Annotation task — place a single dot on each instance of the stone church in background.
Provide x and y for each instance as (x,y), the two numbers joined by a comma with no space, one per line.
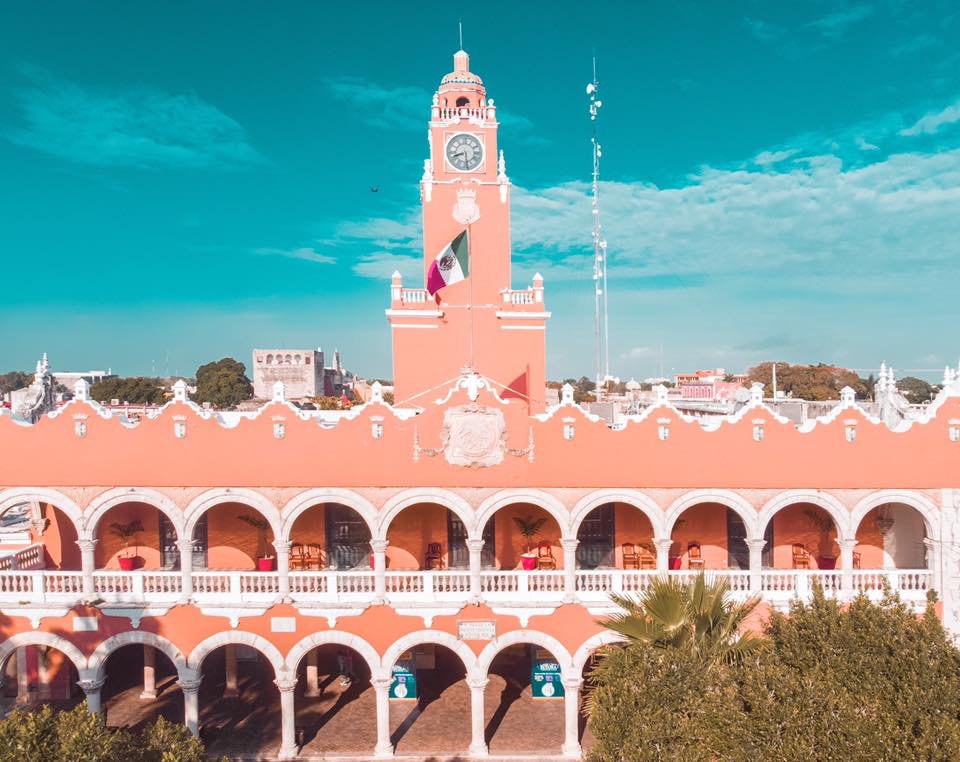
(302,371)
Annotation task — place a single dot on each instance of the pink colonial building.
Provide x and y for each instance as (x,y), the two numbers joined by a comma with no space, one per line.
(450,555)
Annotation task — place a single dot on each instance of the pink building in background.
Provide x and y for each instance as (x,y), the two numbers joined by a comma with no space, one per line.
(273,543)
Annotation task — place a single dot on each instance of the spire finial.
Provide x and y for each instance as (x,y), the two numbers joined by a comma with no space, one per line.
(460,24)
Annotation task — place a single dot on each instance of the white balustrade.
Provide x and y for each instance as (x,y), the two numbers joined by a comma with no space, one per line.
(522,586)
(414,295)
(331,586)
(30,557)
(525,296)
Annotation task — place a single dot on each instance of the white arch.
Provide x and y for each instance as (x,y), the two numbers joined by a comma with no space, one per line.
(306,500)
(240,637)
(16,495)
(591,644)
(434,637)
(119,495)
(409,497)
(98,659)
(40,638)
(723,496)
(537,497)
(248,497)
(836,509)
(921,503)
(634,498)
(337,637)
(516,637)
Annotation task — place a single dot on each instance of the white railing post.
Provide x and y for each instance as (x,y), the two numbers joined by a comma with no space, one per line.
(801,586)
(283,568)
(428,586)
(136,591)
(846,566)
(333,583)
(569,545)
(379,548)
(36,583)
(756,564)
(476,562)
(236,591)
(523,585)
(186,568)
(87,565)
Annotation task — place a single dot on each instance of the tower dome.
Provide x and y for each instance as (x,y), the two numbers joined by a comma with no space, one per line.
(461,87)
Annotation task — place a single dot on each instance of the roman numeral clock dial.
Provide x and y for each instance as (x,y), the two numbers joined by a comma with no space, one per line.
(464,152)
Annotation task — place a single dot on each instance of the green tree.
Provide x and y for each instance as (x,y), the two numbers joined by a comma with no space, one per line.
(916,389)
(137,390)
(15,379)
(223,384)
(808,382)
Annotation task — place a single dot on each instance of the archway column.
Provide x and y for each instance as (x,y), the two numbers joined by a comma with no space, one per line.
(476,562)
(933,562)
(663,545)
(91,689)
(571,716)
(381,686)
(283,567)
(288,717)
(756,564)
(569,545)
(379,548)
(313,674)
(190,687)
(478,742)
(186,567)
(149,673)
(846,563)
(87,565)
(230,671)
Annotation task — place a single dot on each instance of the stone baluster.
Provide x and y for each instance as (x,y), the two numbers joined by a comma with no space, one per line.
(87,565)
(381,686)
(756,565)
(476,561)
(379,570)
(189,683)
(478,741)
(288,717)
(571,716)
(569,545)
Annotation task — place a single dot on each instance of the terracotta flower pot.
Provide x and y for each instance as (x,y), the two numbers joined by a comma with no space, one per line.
(265,564)
(127,562)
(529,563)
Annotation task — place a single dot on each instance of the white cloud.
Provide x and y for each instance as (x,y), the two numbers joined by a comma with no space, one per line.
(636,352)
(306,253)
(380,265)
(834,25)
(933,121)
(767,158)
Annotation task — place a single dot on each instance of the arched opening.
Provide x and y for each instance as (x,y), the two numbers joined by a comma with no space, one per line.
(141,685)
(38,536)
(330,536)
(336,706)
(709,536)
(801,536)
(616,536)
(134,536)
(463,101)
(239,703)
(891,536)
(38,674)
(427,536)
(524,694)
(233,536)
(523,536)
(429,702)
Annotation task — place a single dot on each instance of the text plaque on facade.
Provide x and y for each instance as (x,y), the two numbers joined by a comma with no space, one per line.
(477,629)
(283,624)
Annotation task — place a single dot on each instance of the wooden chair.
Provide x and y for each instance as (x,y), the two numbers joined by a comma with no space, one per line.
(314,556)
(434,557)
(298,559)
(694,556)
(647,556)
(801,559)
(630,558)
(545,559)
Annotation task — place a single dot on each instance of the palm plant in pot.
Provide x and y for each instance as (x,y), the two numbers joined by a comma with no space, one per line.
(529,528)
(125,532)
(264,561)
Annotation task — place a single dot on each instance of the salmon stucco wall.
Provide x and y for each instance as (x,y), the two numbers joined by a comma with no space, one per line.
(145,548)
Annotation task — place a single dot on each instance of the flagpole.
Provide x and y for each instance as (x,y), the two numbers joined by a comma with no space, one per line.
(470,295)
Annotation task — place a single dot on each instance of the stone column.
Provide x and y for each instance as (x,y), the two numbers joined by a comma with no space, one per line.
(933,564)
(230,670)
(149,673)
(846,565)
(478,742)
(87,565)
(379,548)
(571,716)
(756,565)
(190,687)
(186,568)
(313,674)
(476,560)
(91,688)
(283,567)
(663,545)
(23,676)
(288,717)
(43,673)
(382,687)
(569,546)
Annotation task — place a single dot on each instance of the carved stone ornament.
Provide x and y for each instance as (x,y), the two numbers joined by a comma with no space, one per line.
(466,211)
(474,436)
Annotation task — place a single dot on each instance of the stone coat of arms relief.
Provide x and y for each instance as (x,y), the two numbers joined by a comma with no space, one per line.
(474,435)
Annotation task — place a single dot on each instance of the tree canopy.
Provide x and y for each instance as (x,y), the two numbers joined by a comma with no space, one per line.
(137,390)
(224,383)
(916,389)
(15,379)
(808,382)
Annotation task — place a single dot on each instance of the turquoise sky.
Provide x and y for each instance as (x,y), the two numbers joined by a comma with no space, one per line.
(184,181)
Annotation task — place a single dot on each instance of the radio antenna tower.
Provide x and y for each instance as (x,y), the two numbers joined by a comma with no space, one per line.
(601,328)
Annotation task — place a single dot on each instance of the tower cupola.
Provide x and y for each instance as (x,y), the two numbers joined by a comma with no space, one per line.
(461,87)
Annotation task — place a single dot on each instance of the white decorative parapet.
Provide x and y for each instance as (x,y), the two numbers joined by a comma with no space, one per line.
(414,295)
(525,296)
(30,557)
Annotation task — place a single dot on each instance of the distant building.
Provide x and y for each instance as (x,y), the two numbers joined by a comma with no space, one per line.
(69,378)
(302,372)
(708,384)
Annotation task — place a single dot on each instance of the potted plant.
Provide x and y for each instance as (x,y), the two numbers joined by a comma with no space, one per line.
(529,527)
(126,532)
(265,562)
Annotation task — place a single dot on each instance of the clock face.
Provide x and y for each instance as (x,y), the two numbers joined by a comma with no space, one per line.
(464,152)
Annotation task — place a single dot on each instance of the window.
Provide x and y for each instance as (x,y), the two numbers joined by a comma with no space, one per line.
(596,536)
(459,553)
(348,538)
(170,551)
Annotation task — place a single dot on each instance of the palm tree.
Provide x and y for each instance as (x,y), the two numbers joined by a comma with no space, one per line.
(698,616)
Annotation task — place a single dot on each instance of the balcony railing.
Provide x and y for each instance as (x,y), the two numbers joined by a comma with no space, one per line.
(497,587)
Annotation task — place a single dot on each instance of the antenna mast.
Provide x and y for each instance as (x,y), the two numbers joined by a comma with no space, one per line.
(601,329)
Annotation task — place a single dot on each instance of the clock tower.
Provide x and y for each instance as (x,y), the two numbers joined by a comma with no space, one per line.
(479,323)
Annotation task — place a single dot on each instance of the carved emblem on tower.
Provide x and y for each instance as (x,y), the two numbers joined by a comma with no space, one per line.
(466,211)
(474,436)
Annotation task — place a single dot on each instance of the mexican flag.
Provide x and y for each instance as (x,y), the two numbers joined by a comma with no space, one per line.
(451,265)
